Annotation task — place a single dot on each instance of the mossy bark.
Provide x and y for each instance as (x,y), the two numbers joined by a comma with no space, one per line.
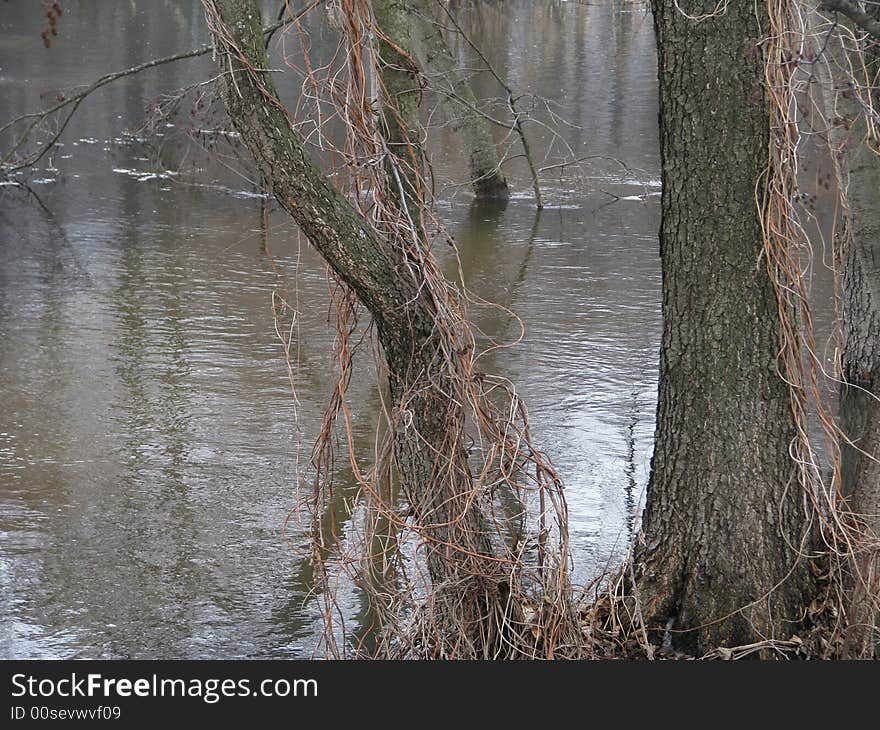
(717,561)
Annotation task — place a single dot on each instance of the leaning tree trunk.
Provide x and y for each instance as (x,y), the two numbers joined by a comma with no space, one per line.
(717,563)
(445,77)
(393,279)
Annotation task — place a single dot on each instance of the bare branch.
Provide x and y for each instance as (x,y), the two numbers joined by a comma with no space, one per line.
(73,101)
(852,11)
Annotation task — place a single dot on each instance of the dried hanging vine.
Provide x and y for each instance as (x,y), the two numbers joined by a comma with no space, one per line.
(419,576)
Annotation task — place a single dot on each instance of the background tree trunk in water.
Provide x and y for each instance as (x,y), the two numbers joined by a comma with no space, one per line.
(489,182)
(723,520)
(471,586)
(860,399)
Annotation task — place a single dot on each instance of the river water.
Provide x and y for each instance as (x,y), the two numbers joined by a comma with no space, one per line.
(150,444)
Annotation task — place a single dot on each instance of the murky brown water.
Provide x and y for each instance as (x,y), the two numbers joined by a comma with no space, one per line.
(149,442)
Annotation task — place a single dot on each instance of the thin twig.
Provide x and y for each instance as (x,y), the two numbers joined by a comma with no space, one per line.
(76,99)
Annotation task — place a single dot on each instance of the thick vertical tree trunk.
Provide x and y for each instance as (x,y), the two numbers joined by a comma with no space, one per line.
(717,562)
(860,399)
(860,395)
(389,277)
(441,68)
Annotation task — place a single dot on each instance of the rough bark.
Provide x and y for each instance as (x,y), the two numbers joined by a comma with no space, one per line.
(460,102)
(717,561)
(390,281)
(860,395)
(860,399)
